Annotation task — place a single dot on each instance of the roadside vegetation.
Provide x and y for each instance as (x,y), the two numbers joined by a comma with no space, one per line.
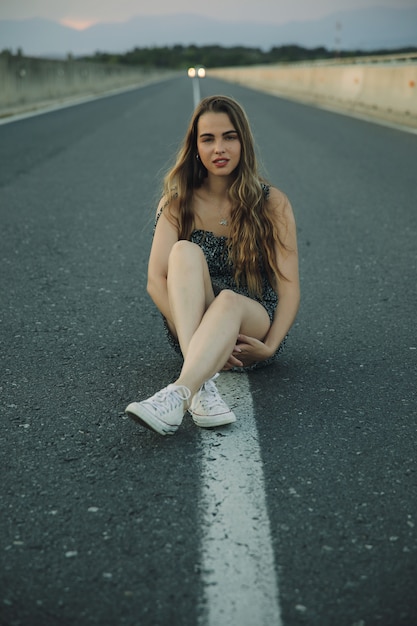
(179,57)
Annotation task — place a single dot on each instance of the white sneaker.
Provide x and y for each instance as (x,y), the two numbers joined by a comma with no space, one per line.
(162,412)
(207,407)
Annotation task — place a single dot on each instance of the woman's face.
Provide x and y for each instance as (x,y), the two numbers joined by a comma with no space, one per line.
(218,144)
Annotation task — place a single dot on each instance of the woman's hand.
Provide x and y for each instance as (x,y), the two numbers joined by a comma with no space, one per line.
(247,351)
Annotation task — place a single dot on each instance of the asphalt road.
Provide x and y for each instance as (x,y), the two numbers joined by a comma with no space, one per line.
(100,521)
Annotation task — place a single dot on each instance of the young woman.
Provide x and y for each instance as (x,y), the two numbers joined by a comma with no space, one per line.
(223,268)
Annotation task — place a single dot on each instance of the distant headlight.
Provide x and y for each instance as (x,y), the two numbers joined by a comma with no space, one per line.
(201,72)
(191,72)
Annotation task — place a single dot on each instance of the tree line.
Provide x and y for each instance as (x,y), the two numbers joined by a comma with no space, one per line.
(180,57)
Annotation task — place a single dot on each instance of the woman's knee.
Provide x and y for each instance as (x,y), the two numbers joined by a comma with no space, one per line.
(185,251)
(253,316)
(228,299)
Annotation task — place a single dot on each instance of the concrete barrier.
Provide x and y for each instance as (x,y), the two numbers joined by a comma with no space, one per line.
(27,83)
(385,90)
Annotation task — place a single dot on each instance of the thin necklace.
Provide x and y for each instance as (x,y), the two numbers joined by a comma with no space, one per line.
(223,220)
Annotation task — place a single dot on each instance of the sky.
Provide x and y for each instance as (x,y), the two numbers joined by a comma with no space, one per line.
(83,13)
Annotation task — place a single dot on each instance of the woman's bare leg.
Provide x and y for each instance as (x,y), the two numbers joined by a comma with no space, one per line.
(207,326)
(214,339)
(189,290)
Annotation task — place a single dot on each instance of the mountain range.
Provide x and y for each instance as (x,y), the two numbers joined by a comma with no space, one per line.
(360,29)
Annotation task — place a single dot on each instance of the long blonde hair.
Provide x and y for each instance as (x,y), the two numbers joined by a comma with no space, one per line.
(253,231)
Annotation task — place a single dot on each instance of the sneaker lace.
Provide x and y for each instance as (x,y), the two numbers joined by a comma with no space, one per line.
(208,395)
(167,399)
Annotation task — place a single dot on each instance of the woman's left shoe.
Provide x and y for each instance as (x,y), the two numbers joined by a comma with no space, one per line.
(208,409)
(163,412)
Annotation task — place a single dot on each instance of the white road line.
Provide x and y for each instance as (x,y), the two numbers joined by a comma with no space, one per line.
(56,105)
(196,91)
(238,569)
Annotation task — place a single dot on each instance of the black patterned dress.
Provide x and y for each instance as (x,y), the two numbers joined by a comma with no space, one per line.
(221,272)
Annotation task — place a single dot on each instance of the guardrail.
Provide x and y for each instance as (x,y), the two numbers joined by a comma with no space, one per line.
(372,58)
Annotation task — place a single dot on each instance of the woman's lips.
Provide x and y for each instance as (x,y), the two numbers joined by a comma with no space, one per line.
(220,162)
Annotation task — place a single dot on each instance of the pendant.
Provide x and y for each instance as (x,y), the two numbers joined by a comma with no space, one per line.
(223,222)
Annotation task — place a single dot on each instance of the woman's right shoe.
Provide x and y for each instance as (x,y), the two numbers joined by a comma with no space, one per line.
(208,409)
(163,412)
